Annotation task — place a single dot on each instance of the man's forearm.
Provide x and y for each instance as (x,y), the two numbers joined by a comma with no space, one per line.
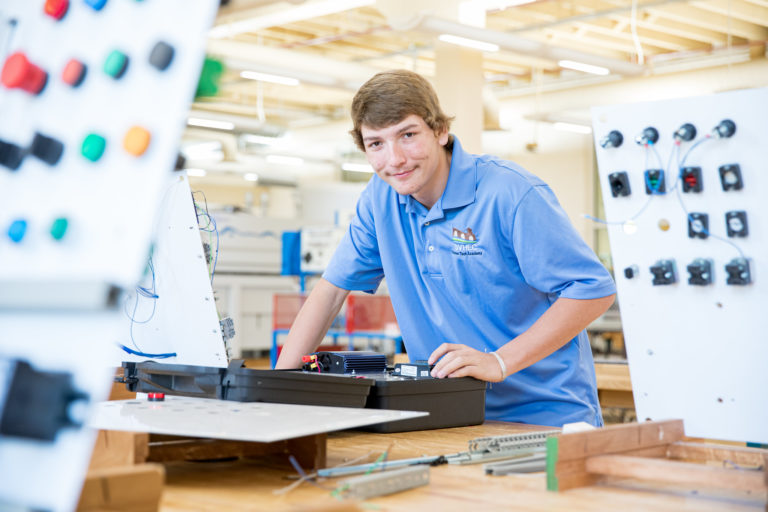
(558,325)
(312,323)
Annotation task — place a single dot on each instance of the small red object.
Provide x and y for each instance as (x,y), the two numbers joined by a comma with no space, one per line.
(73,73)
(56,8)
(19,73)
(155,397)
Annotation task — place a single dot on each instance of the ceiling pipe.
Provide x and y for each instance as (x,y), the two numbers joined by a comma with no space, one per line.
(516,44)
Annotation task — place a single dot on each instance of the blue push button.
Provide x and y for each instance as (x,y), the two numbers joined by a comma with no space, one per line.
(96,4)
(17,230)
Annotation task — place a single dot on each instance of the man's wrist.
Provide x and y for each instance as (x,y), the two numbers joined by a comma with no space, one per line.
(502,365)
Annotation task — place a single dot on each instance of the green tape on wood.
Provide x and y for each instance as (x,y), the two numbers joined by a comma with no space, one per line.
(552,447)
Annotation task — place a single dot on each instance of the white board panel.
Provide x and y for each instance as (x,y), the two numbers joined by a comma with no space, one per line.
(695,351)
(242,421)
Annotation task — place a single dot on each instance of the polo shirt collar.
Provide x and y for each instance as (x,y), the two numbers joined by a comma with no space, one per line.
(459,190)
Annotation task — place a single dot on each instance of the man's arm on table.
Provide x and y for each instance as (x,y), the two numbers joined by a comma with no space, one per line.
(312,323)
(556,327)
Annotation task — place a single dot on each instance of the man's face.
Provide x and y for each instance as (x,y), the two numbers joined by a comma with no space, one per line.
(410,157)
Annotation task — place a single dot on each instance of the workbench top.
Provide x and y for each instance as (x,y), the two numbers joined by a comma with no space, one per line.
(246,485)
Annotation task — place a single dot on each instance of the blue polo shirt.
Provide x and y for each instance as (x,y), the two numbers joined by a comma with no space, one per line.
(479,268)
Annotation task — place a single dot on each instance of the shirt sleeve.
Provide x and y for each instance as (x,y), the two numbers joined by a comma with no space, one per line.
(356,264)
(553,257)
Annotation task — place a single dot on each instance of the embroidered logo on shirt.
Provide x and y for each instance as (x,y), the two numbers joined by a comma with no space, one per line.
(465,242)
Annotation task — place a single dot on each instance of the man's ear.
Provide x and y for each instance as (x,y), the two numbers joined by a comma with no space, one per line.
(442,138)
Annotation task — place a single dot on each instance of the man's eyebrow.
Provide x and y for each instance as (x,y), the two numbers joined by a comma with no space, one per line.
(404,129)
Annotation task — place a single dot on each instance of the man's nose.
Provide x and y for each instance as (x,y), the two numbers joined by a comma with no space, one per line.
(396,155)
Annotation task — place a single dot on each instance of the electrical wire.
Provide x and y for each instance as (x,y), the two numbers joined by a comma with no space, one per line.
(209,227)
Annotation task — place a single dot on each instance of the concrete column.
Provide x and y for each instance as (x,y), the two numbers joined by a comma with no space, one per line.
(459,85)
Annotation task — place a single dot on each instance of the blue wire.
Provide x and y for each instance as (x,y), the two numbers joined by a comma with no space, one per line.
(145,354)
(149,293)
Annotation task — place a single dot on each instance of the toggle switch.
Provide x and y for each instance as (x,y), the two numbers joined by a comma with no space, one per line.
(691,177)
(654,181)
(619,183)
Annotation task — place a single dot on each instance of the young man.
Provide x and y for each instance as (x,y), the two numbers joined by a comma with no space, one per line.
(486,274)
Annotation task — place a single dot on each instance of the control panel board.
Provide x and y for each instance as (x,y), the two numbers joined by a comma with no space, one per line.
(94,96)
(685,187)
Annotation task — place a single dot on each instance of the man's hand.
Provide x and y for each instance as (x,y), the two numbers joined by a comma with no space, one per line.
(463,361)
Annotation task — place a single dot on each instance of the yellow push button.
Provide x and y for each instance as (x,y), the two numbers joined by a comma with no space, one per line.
(136,141)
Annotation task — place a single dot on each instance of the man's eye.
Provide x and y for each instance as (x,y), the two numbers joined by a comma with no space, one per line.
(374,144)
(408,134)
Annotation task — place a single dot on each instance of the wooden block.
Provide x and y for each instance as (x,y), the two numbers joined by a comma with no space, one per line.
(567,453)
(116,448)
(676,472)
(614,398)
(712,452)
(130,489)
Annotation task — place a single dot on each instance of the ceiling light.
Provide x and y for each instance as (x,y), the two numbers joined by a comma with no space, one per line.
(571,127)
(266,77)
(210,123)
(259,139)
(207,150)
(586,68)
(192,171)
(284,160)
(469,43)
(249,176)
(350,166)
(284,16)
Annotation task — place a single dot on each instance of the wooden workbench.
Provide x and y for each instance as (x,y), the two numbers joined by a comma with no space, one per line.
(248,485)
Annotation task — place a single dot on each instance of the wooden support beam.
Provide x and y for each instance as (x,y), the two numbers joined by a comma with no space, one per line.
(676,472)
(129,489)
(708,452)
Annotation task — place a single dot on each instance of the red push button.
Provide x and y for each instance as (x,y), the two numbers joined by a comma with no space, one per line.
(74,73)
(155,397)
(19,73)
(56,8)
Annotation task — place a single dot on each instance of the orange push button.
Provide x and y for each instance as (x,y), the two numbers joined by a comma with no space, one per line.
(56,8)
(136,141)
(19,73)
(74,73)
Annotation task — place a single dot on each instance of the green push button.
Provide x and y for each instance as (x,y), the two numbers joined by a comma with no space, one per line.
(116,64)
(59,228)
(93,147)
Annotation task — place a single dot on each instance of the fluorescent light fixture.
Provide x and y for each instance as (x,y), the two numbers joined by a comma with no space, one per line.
(284,160)
(210,123)
(259,139)
(207,150)
(586,68)
(249,176)
(283,16)
(571,127)
(469,43)
(266,77)
(350,166)
(192,171)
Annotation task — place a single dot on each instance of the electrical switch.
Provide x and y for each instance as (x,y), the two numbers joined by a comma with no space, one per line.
(730,177)
(698,225)
(47,149)
(691,177)
(738,272)
(648,136)
(11,155)
(654,181)
(614,139)
(17,230)
(700,272)
(74,73)
(136,140)
(116,64)
(631,271)
(619,182)
(736,223)
(59,228)
(19,73)
(93,147)
(663,272)
(56,9)
(724,130)
(686,132)
(161,55)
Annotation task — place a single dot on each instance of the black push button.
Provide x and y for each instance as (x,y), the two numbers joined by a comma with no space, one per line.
(47,149)
(11,155)
(161,55)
